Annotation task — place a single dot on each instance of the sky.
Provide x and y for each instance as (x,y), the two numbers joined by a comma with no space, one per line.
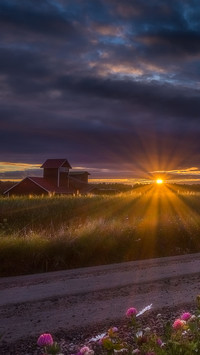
(113,86)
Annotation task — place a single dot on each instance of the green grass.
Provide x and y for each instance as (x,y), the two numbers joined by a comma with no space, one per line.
(41,234)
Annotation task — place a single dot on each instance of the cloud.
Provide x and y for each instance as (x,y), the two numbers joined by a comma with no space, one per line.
(105,82)
(39,17)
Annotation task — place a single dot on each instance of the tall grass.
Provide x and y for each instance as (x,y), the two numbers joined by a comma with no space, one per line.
(41,234)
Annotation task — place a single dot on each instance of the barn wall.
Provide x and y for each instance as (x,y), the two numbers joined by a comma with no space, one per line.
(64,180)
(51,175)
(75,184)
(27,187)
(81,177)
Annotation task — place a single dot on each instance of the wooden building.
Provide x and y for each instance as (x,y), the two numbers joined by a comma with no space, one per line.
(56,172)
(57,179)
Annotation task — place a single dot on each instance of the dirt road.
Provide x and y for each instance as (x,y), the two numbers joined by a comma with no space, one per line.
(65,300)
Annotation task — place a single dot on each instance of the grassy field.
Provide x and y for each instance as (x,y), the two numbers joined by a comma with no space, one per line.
(41,234)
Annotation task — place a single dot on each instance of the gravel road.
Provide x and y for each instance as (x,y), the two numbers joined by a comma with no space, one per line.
(67,300)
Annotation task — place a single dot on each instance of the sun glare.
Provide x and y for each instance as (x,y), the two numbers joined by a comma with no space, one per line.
(159,181)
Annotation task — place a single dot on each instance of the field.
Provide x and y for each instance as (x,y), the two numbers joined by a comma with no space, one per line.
(40,234)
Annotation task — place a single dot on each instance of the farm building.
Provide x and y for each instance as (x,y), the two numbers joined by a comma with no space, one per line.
(57,179)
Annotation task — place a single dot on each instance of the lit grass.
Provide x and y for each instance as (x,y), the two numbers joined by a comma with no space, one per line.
(45,234)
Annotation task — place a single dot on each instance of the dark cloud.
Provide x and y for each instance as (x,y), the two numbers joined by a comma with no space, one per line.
(172,44)
(36,16)
(19,63)
(104,83)
(157,98)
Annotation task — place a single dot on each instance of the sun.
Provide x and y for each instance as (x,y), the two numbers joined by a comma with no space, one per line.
(159,181)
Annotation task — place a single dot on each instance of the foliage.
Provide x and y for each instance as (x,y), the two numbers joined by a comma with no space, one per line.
(39,234)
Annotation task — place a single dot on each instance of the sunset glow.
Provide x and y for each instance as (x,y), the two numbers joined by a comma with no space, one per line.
(159,181)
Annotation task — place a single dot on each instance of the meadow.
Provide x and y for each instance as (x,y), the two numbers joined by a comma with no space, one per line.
(39,234)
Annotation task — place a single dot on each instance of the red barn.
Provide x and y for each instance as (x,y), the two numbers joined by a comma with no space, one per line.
(57,179)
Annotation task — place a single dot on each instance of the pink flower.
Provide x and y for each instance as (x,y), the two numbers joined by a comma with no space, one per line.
(112,331)
(86,351)
(131,312)
(45,340)
(178,324)
(185,316)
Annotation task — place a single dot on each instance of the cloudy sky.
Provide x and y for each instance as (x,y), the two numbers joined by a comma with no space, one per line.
(111,85)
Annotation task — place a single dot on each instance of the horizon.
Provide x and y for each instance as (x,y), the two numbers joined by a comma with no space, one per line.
(190,176)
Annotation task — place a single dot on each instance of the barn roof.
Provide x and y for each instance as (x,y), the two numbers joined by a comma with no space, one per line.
(37,180)
(56,163)
(44,184)
(47,186)
(51,188)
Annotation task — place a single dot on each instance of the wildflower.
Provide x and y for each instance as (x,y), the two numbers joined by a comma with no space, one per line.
(141,338)
(139,334)
(131,312)
(178,324)
(185,333)
(185,316)
(86,351)
(136,351)
(112,331)
(160,343)
(45,340)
